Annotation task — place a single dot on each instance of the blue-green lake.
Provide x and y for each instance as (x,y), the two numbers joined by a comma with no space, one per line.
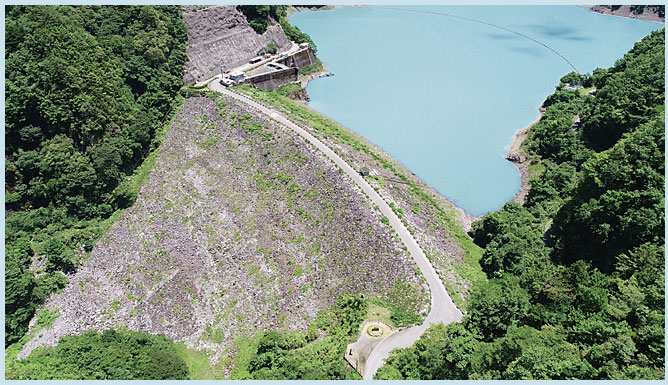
(445,96)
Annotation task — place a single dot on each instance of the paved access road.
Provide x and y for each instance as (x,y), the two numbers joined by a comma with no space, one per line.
(442,307)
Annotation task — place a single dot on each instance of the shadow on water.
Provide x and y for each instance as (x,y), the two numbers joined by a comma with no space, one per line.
(531,51)
(502,36)
(509,41)
(559,32)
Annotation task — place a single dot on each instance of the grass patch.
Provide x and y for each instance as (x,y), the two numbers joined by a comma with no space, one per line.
(264,182)
(199,366)
(208,143)
(378,312)
(312,68)
(455,295)
(192,86)
(12,352)
(583,91)
(246,348)
(46,318)
(289,89)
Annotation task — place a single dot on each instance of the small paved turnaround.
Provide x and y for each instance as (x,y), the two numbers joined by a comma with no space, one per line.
(442,307)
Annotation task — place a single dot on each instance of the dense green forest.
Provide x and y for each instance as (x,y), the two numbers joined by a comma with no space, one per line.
(112,355)
(576,275)
(87,88)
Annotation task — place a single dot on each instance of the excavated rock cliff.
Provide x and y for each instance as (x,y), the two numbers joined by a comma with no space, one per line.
(220,35)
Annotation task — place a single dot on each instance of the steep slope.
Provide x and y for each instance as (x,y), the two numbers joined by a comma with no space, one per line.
(241,227)
(220,35)
(435,223)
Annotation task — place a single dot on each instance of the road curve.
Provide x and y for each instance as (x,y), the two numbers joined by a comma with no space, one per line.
(442,307)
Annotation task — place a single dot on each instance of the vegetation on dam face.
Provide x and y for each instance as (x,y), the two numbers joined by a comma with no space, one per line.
(240,227)
(436,224)
(576,275)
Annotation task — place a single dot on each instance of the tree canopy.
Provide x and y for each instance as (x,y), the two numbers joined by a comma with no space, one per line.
(111,355)
(86,89)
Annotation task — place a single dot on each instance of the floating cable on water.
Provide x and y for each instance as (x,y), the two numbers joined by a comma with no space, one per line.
(485,23)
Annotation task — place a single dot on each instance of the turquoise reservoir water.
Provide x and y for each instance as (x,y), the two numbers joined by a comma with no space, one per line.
(445,96)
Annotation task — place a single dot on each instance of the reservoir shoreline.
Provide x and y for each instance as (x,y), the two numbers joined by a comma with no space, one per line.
(464,219)
(625,12)
(520,161)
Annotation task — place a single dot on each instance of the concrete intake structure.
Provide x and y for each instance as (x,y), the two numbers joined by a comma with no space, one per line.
(280,74)
(299,59)
(272,80)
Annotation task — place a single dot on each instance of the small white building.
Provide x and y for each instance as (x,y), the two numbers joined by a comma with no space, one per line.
(236,76)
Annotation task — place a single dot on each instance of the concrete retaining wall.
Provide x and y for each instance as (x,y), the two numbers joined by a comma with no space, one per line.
(272,80)
(299,59)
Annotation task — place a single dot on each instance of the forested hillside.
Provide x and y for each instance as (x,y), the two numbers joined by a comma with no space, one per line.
(86,89)
(576,275)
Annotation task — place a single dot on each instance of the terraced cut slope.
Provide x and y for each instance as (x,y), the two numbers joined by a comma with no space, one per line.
(241,227)
(221,35)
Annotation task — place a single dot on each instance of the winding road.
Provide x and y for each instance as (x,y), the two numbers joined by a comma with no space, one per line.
(442,307)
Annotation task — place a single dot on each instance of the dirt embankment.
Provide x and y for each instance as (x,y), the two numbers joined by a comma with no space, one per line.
(649,13)
(220,35)
(241,227)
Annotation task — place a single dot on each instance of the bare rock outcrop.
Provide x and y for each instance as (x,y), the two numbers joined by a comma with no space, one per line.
(648,12)
(220,35)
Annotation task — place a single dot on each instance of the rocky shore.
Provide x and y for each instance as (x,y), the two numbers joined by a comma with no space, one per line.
(304,80)
(649,13)
(520,160)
